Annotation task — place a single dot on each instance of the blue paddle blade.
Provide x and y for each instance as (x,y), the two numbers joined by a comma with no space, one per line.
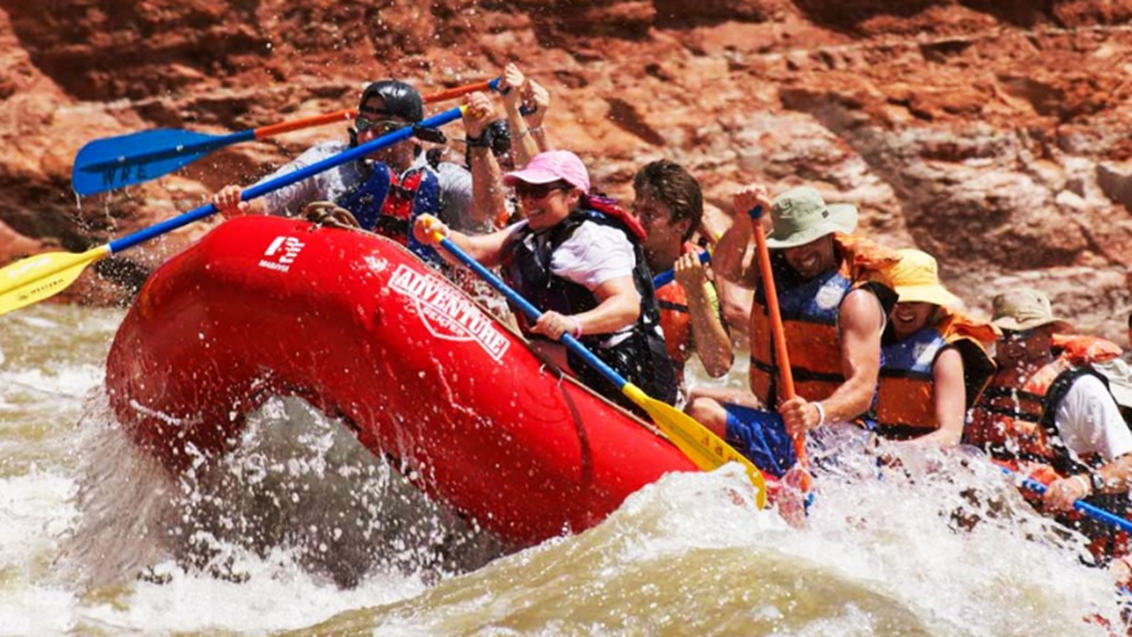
(115,162)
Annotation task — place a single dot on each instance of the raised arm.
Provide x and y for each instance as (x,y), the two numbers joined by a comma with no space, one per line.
(541,98)
(487,180)
(712,342)
(523,144)
(729,260)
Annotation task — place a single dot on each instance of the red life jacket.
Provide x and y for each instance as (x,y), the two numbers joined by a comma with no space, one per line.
(1015,425)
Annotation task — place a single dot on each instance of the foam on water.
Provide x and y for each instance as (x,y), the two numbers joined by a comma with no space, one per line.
(688,556)
(299,529)
(300,523)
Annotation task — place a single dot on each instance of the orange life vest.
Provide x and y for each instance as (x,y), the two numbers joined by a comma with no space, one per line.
(675,319)
(809,317)
(906,396)
(1015,426)
(1006,422)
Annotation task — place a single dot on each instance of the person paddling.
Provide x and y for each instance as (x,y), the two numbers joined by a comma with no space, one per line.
(386,190)
(935,358)
(670,205)
(833,313)
(580,260)
(1051,416)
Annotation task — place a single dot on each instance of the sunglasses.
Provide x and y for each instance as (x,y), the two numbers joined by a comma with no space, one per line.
(539,191)
(1013,335)
(378,126)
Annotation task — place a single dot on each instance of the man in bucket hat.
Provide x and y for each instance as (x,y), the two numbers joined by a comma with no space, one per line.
(579,259)
(935,359)
(833,319)
(1053,417)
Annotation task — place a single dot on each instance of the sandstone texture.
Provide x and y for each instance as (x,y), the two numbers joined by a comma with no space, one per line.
(991,133)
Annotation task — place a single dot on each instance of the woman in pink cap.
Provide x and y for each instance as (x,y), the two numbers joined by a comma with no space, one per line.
(578,258)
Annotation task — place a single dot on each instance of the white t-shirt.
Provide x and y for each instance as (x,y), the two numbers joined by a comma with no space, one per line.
(594,254)
(1089,421)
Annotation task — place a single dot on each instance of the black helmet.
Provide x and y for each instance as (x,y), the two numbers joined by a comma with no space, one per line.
(500,132)
(400,99)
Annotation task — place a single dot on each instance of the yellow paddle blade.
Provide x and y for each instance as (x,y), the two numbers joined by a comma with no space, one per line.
(42,276)
(702,447)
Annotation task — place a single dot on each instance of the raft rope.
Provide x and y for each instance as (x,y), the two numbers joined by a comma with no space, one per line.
(330,214)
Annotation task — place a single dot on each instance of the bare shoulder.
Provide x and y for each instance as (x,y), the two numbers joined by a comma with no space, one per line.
(861,309)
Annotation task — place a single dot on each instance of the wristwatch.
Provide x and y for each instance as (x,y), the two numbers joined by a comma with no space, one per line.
(483,141)
(1097,481)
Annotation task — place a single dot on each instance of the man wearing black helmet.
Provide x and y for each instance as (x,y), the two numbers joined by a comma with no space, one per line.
(392,186)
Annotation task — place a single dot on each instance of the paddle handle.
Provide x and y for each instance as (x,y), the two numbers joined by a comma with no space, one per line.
(347,114)
(460,91)
(264,132)
(666,277)
(531,311)
(1082,506)
(786,375)
(259,190)
(778,333)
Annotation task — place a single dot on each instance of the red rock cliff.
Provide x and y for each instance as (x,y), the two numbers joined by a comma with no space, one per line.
(992,133)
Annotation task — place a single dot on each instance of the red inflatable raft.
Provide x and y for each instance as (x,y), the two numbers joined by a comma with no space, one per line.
(363,330)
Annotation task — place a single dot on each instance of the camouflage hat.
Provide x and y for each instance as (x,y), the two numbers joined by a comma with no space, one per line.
(1025,309)
(800,216)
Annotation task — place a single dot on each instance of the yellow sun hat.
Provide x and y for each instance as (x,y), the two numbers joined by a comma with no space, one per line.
(915,277)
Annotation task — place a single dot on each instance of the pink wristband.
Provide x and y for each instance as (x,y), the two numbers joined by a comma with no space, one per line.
(577,327)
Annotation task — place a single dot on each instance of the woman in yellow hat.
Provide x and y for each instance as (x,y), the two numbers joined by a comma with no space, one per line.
(934,359)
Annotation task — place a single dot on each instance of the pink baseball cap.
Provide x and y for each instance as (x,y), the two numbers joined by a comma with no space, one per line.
(552,166)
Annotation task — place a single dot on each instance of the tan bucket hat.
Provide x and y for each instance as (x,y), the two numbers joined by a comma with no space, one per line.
(915,277)
(800,216)
(1025,309)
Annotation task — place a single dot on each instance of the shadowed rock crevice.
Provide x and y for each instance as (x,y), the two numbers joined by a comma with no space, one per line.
(626,116)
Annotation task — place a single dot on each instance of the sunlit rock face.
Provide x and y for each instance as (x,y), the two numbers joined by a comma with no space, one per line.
(992,134)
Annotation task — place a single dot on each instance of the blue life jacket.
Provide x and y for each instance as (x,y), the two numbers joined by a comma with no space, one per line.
(388,205)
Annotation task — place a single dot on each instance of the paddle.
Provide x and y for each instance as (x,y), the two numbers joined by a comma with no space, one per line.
(1082,506)
(114,162)
(44,275)
(785,374)
(697,442)
(666,277)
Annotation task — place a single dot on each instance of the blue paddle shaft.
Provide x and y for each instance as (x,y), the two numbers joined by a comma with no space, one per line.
(533,312)
(1080,505)
(259,190)
(666,277)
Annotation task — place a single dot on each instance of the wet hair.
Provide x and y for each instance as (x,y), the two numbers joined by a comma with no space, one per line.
(399,99)
(677,188)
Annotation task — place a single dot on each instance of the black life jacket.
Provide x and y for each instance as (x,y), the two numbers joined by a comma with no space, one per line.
(641,357)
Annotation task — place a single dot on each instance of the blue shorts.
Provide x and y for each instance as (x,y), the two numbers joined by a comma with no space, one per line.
(761,437)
